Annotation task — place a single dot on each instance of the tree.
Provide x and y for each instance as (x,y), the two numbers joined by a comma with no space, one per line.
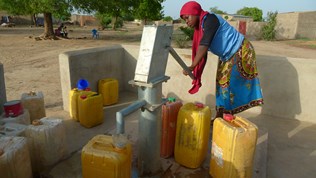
(268,31)
(149,10)
(104,19)
(31,7)
(253,12)
(215,10)
(114,8)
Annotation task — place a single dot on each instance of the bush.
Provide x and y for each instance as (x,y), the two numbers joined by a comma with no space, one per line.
(188,32)
(167,19)
(268,31)
(105,20)
(119,23)
(181,41)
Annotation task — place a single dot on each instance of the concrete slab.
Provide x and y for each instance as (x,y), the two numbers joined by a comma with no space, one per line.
(78,136)
(291,148)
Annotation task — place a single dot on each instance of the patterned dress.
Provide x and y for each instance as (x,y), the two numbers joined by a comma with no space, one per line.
(237,83)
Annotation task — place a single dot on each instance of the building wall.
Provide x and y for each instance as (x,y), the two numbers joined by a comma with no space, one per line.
(84,20)
(253,29)
(306,27)
(296,25)
(286,25)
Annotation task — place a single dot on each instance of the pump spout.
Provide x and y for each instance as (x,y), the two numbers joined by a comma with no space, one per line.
(120,122)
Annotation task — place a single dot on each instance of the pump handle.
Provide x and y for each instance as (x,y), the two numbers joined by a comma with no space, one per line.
(180,61)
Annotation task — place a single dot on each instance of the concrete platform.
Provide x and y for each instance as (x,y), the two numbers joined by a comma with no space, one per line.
(290,151)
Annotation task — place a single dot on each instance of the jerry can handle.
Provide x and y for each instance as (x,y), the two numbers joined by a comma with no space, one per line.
(32,93)
(102,144)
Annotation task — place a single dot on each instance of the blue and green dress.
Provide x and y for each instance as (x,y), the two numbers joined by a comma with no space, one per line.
(237,83)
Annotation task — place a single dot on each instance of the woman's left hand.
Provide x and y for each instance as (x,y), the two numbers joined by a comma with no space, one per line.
(185,72)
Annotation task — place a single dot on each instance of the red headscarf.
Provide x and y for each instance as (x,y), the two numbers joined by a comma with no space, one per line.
(194,8)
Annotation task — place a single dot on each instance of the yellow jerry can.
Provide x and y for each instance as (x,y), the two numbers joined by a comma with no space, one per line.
(73,102)
(90,109)
(109,88)
(233,148)
(103,157)
(192,134)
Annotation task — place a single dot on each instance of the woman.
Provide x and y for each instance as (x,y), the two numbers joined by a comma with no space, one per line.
(237,84)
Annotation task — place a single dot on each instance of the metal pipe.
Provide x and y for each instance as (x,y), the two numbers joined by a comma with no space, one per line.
(180,61)
(149,138)
(120,122)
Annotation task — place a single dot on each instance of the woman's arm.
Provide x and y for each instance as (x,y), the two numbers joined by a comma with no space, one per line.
(201,53)
(211,25)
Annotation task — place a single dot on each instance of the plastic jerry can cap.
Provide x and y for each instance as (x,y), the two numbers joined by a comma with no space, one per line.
(119,141)
(37,122)
(228,117)
(32,93)
(83,96)
(199,105)
(82,84)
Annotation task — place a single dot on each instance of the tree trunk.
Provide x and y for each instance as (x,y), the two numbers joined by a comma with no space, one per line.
(33,19)
(114,23)
(48,26)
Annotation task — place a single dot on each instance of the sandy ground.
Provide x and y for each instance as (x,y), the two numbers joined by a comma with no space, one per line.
(32,65)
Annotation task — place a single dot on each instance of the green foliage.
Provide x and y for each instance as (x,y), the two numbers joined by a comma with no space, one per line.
(115,8)
(215,10)
(149,10)
(128,16)
(253,12)
(181,41)
(118,23)
(268,31)
(168,19)
(59,8)
(105,19)
(188,32)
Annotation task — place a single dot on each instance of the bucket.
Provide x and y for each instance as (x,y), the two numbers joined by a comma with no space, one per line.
(13,108)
